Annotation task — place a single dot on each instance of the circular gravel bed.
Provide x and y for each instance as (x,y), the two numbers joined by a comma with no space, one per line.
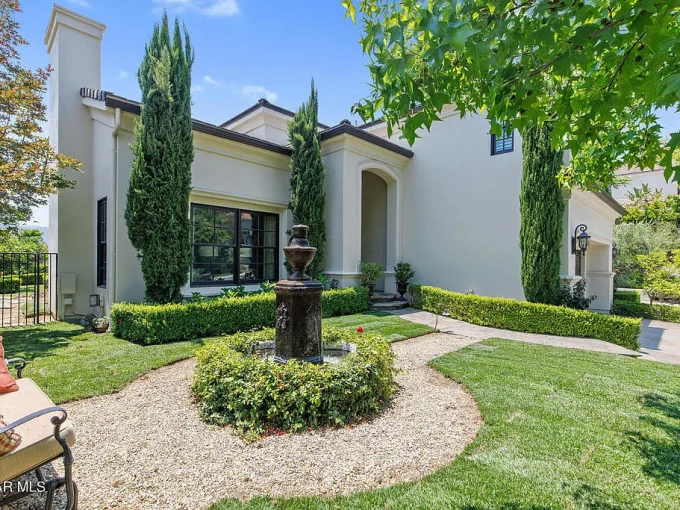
(146,448)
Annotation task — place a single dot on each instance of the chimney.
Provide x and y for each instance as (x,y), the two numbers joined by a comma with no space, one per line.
(74,47)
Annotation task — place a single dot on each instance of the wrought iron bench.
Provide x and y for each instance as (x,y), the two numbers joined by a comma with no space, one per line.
(46,435)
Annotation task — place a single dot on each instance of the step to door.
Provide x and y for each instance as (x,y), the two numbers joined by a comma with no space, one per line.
(382,297)
(389,305)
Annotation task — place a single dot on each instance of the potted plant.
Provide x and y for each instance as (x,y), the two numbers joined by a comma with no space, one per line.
(100,324)
(370,273)
(403,272)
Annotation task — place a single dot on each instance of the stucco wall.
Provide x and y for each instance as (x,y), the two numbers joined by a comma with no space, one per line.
(225,174)
(461,210)
(589,209)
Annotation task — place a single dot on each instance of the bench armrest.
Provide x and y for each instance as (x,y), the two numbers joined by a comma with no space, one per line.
(18,364)
(56,420)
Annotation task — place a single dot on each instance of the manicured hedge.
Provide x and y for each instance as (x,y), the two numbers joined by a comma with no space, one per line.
(156,324)
(631,296)
(255,394)
(9,284)
(30,279)
(645,311)
(528,317)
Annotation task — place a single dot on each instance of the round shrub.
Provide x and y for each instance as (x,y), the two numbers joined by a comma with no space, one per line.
(254,395)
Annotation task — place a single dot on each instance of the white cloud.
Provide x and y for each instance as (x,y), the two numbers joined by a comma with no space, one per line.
(123,75)
(255,92)
(196,88)
(211,81)
(80,3)
(213,8)
(222,8)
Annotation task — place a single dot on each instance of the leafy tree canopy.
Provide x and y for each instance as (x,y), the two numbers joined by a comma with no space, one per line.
(30,169)
(596,69)
(650,206)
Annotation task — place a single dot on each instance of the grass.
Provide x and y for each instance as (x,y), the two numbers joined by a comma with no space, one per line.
(382,323)
(69,363)
(563,429)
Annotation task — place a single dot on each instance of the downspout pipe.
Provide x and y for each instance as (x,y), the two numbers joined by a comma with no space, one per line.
(113,296)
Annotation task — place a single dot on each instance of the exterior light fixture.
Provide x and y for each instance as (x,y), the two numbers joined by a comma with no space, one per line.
(580,240)
(615,250)
(94,300)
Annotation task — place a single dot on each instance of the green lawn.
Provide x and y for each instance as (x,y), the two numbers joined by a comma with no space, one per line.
(563,429)
(69,363)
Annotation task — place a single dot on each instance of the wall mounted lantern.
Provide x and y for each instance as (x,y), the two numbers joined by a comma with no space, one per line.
(94,300)
(580,240)
(615,250)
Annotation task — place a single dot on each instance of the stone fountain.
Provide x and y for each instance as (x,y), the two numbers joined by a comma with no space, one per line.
(298,306)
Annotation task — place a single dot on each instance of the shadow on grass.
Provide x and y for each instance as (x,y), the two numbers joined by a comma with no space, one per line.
(587,496)
(658,439)
(33,342)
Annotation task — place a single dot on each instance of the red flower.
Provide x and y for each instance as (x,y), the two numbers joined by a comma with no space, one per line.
(360,329)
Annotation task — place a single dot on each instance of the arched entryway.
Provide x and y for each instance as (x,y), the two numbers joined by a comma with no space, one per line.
(374,199)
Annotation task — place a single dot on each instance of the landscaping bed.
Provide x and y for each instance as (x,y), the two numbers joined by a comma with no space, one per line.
(255,394)
(562,429)
(527,317)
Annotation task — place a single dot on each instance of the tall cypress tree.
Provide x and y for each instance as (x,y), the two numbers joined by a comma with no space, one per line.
(542,209)
(157,211)
(307,196)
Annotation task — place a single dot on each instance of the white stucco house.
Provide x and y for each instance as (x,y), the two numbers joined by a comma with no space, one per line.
(636,178)
(449,204)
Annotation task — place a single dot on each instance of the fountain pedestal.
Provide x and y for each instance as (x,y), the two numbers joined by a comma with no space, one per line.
(298,306)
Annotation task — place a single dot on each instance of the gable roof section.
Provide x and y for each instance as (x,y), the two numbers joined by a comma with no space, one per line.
(346,127)
(263,103)
(127,105)
(135,108)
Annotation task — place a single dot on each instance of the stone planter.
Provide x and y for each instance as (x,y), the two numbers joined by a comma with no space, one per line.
(402,288)
(100,329)
(371,287)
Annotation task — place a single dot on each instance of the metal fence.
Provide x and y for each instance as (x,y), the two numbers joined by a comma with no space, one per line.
(28,288)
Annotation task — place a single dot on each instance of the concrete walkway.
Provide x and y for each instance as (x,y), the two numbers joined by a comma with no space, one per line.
(449,325)
(660,341)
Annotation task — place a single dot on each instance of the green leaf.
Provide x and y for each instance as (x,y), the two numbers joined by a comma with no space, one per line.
(351,11)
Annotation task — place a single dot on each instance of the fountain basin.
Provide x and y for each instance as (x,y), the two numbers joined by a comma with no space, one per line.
(331,353)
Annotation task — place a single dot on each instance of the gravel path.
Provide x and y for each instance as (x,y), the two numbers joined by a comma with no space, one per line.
(146,448)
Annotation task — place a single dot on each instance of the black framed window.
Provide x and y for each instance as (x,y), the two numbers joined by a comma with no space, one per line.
(233,246)
(101,243)
(504,143)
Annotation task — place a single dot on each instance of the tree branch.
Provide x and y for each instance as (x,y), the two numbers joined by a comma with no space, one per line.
(623,61)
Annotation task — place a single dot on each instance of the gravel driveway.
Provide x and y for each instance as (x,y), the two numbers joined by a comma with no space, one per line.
(146,448)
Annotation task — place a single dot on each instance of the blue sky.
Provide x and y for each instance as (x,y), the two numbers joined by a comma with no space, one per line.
(245,49)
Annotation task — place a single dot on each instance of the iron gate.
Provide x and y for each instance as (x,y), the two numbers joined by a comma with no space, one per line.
(28,288)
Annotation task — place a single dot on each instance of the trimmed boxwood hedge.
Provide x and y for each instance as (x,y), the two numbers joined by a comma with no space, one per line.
(631,296)
(528,317)
(11,284)
(254,394)
(655,312)
(156,324)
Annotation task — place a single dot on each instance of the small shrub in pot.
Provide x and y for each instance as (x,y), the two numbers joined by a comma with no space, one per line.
(403,272)
(100,324)
(370,273)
